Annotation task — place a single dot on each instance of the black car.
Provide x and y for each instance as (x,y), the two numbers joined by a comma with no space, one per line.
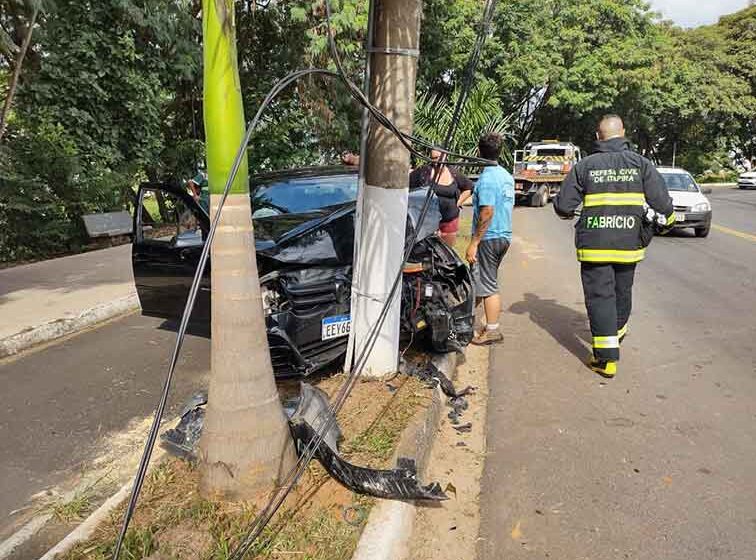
(304,224)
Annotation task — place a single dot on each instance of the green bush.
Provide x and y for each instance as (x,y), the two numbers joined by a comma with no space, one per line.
(45,190)
(721,176)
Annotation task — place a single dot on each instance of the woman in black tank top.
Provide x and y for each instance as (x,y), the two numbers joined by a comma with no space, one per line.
(452,190)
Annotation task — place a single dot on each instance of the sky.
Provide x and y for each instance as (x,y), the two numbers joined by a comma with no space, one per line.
(691,13)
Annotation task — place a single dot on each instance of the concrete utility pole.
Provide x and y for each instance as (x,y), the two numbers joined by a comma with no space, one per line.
(383,207)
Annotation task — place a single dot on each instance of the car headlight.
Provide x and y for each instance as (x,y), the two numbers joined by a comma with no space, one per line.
(702,207)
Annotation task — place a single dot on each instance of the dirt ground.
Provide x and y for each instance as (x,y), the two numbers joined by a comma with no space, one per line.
(450,531)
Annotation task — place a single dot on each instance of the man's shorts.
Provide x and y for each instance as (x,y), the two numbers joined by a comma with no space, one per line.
(486,271)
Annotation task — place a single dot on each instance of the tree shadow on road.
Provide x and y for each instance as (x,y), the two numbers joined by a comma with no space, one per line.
(564,324)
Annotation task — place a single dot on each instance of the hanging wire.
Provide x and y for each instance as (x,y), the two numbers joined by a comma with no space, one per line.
(293,476)
(327,422)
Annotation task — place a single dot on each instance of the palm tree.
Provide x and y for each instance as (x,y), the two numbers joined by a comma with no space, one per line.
(245,445)
(482,114)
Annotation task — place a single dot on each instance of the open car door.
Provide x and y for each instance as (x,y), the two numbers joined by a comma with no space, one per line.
(169,232)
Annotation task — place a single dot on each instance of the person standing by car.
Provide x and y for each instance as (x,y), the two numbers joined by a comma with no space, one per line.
(452,189)
(621,193)
(493,200)
(200,190)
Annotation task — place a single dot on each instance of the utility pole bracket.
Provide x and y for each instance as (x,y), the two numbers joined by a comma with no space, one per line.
(415,53)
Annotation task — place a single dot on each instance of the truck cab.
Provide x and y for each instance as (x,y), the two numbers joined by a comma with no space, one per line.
(540,168)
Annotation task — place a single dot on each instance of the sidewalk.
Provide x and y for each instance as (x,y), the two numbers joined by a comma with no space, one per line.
(45,300)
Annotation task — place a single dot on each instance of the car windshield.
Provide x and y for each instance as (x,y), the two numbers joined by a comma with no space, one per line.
(680,182)
(305,194)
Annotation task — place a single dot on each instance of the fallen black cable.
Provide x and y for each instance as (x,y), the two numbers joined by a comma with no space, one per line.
(160,410)
(258,525)
(346,389)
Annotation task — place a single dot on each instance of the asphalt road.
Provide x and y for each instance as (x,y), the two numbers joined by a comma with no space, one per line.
(682,412)
(657,463)
(62,404)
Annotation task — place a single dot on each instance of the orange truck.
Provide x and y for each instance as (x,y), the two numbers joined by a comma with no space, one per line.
(540,168)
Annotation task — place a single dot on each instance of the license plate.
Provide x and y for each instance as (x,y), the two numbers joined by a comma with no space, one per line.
(336,327)
(679,217)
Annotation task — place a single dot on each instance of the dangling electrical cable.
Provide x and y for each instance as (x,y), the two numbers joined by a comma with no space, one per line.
(307,454)
(160,410)
(258,525)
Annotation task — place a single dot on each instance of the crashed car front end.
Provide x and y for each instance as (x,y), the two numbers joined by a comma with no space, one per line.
(295,303)
(437,308)
(437,301)
(309,289)
(304,224)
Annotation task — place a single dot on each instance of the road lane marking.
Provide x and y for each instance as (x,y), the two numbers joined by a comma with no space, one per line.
(734,232)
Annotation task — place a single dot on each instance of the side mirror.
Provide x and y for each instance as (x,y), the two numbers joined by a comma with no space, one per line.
(707,190)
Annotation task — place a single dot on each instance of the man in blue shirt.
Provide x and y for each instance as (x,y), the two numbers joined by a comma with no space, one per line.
(493,200)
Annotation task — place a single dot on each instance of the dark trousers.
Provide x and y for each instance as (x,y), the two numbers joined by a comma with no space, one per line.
(608,290)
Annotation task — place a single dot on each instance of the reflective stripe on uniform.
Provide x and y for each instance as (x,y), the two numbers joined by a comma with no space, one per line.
(606,342)
(610,255)
(622,332)
(614,199)
(671,219)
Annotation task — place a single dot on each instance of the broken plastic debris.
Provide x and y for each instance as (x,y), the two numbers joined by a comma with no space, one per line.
(429,373)
(182,440)
(307,414)
(397,484)
(464,428)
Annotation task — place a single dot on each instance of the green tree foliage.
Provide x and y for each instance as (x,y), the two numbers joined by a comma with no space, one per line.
(560,65)
(113,88)
(482,114)
(102,105)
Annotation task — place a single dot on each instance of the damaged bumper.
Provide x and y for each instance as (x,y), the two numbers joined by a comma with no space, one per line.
(400,483)
(307,415)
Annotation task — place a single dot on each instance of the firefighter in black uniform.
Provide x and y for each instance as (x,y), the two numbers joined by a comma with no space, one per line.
(624,200)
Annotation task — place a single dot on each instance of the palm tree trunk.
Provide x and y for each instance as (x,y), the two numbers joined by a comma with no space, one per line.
(16,74)
(246,446)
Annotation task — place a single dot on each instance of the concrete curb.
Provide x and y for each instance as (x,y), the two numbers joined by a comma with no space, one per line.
(88,527)
(390,524)
(85,529)
(58,328)
(26,532)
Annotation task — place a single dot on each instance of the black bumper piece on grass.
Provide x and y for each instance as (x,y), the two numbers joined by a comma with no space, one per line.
(306,414)
(397,484)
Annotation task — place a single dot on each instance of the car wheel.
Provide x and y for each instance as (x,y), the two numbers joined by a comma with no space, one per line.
(703,231)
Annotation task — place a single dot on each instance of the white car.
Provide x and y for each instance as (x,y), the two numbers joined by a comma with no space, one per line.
(747,180)
(692,208)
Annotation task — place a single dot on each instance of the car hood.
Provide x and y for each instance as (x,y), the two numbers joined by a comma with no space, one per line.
(690,199)
(748,175)
(323,237)
(272,230)
(326,236)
